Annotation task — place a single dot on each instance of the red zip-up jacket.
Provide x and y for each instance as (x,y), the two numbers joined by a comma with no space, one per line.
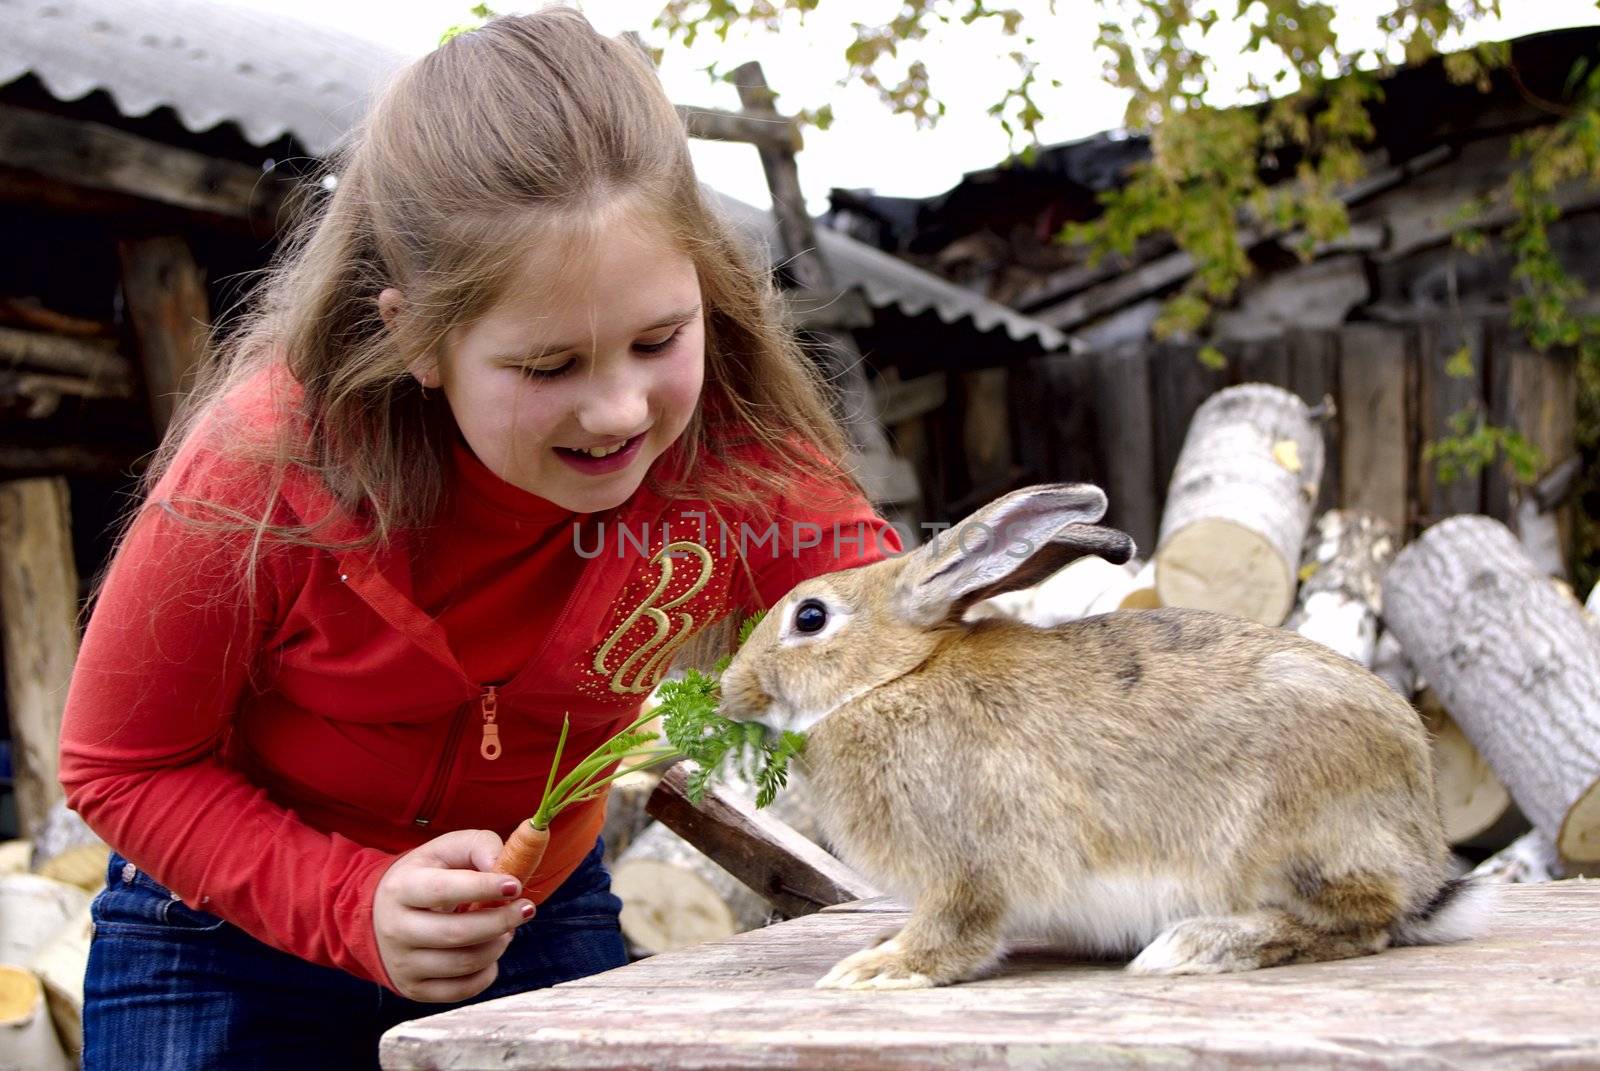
(266,754)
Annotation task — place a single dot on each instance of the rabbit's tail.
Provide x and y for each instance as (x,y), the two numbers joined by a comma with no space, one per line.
(1459,910)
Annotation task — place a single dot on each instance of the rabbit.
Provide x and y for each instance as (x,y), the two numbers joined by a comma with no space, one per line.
(1206,792)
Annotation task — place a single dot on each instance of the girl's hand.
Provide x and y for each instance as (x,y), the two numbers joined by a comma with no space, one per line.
(431,952)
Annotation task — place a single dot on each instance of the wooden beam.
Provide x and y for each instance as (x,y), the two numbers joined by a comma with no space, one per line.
(89,155)
(97,361)
(805,264)
(30,314)
(766,131)
(38,620)
(1167,271)
(794,875)
(39,395)
(166,296)
(17,461)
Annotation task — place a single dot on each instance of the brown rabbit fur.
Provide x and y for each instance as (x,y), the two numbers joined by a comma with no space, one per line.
(1222,795)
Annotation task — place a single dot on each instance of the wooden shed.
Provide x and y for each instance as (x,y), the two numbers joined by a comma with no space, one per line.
(146,151)
(1372,321)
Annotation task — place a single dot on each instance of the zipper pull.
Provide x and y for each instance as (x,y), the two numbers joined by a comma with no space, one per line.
(490,747)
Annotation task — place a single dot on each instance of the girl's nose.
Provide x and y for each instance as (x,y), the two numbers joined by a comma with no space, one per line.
(617,406)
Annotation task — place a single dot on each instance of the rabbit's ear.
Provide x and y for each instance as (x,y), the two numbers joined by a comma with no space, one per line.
(1014,542)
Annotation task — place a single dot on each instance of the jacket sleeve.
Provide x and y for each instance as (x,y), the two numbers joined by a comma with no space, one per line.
(168,654)
(814,531)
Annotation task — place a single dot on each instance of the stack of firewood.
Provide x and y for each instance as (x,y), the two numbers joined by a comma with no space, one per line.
(46,885)
(1499,657)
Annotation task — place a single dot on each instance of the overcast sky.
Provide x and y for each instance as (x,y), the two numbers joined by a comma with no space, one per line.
(867,147)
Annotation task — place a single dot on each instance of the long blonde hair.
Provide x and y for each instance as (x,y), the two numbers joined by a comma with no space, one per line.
(526,120)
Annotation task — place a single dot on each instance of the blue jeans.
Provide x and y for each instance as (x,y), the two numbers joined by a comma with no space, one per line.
(169,988)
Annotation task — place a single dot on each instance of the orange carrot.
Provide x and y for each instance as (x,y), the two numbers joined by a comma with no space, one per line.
(519,857)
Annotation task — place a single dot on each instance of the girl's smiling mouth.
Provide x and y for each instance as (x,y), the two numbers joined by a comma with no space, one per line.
(586,462)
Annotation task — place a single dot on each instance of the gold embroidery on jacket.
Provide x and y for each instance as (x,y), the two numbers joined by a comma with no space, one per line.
(661,646)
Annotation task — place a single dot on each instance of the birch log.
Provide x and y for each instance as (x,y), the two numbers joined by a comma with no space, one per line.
(1513,659)
(28,1040)
(1239,504)
(1341,582)
(1389,661)
(673,896)
(1476,807)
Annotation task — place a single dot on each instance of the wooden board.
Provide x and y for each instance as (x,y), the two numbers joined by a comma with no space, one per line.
(38,625)
(1123,404)
(1522,997)
(1179,384)
(1441,396)
(1314,376)
(1535,393)
(1374,448)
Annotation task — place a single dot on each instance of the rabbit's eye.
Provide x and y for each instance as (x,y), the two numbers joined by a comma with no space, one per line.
(810,616)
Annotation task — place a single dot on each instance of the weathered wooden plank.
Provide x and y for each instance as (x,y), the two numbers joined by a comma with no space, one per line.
(22,461)
(986,426)
(93,360)
(1124,412)
(89,155)
(1062,443)
(1314,376)
(1521,997)
(1536,394)
(171,314)
(791,872)
(1179,383)
(1375,456)
(767,131)
(1443,393)
(38,622)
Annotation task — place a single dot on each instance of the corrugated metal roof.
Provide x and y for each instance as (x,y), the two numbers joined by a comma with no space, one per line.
(887,281)
(209,62)
(270,75)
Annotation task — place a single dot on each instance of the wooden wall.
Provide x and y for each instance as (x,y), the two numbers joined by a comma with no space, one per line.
(1117,417)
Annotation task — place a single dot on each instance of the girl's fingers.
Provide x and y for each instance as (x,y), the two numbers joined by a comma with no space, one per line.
(437,889)
(447,990)
(447,930)
(433,964)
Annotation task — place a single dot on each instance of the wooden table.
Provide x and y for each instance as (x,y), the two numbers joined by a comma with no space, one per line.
(1526,996)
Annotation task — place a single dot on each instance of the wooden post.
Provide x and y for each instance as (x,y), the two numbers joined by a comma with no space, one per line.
(803,261)
(792,873)
(166,296)
(1444,393)
(1375,461)
(38,620)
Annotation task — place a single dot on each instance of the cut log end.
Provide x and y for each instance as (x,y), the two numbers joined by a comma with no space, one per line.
(1216,564)
(667,907)
(1471,797)
(1579,840)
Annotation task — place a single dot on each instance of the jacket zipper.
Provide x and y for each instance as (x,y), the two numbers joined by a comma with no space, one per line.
(489,748)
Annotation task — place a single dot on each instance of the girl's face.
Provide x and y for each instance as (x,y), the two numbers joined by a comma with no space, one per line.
(600,353)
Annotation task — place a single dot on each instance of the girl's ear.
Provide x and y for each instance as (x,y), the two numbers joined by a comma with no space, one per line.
(424,369)
(389,302)
(1014,542)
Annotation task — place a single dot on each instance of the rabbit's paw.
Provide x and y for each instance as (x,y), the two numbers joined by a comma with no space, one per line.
(881,967)
(1197,946)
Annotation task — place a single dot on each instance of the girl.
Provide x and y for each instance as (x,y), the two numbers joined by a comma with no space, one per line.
(511,422)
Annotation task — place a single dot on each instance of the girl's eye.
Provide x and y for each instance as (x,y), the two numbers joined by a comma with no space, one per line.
(546,373)
(657,347)
(810,616)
